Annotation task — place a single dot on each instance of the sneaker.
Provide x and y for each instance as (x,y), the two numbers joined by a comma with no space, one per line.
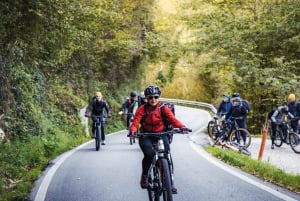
(174,190)
(103,142)
(272,146)
(144,181)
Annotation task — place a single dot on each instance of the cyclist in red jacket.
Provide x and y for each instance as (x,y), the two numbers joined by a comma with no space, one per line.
(151,120)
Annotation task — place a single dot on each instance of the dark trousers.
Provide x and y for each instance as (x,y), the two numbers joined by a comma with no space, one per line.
(273,134)
(146,144)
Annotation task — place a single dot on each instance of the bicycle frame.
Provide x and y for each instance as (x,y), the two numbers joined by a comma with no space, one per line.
(97,129)
(160,173)
(236,134)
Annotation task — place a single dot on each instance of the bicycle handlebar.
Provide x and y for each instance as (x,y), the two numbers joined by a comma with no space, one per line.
(174,131)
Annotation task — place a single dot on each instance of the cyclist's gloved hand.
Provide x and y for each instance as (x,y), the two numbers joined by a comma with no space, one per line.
(185,130)
(132,134)
(109,115)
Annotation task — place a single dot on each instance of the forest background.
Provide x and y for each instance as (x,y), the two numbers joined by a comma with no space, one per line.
(55,54)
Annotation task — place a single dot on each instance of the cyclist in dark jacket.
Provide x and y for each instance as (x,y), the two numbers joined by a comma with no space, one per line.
(239,113)
(151,120)
(278,117)
(294,109)
(96,107)
(225,105)
(129,107)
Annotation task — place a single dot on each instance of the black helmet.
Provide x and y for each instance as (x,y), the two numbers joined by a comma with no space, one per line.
(236,99)
(285,109)
(152,90)
(133,94)
(235,95)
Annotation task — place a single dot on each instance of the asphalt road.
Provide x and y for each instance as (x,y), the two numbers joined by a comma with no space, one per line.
(113,173)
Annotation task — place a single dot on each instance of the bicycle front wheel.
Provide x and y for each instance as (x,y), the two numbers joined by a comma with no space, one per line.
(239,136)
(210,126)
(278,139)
(295,142)
(98,138)
(154,188)
(166,180)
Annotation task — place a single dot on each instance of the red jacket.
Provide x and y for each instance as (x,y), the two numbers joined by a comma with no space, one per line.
(151,119)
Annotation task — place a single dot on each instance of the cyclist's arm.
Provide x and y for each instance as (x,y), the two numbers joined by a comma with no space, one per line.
(89,108)
(106,106)
(135,107)
(273,117)
(137,119)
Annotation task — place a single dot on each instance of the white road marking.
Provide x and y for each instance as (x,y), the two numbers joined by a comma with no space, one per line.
(204,154)
(42,191)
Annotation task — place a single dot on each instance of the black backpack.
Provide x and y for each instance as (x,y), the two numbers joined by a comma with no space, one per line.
(162,110)
(271,112)
(246,105)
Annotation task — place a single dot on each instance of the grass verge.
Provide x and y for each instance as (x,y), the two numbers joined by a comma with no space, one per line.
(261,169)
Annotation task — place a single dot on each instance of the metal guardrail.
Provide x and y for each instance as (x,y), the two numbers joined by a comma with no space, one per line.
(205,106)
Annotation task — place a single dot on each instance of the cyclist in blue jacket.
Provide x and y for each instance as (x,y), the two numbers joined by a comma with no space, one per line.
(225,105)
(239,113)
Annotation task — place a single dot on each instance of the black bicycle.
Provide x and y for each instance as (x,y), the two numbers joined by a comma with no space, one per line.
(238,135)
(160,174)
(217,128)
(295,142)
(282,134)
(97,129)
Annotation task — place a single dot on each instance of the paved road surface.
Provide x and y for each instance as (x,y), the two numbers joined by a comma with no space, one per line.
(113,173)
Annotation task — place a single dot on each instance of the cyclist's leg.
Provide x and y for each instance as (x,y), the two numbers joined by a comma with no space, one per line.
(146,146)
(102,129)
(273,133)
(242,124)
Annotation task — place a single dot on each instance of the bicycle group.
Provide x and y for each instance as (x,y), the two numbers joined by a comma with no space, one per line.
(228,127)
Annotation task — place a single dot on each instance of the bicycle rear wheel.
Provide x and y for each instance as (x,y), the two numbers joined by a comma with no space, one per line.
(98,138)
(236,137)
(166,180)
(294,139)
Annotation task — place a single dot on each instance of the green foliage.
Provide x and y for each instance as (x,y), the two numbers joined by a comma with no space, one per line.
(254,40)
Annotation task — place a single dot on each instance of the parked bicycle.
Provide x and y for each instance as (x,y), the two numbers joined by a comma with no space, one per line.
(217,128)
(239,135)
(234,146)
(160,174)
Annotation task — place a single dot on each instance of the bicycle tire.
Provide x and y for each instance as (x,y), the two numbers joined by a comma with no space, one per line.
(98,138)
(278,141)
(210,126)
(154,188)
(166,180)
(294,139)
(234,138)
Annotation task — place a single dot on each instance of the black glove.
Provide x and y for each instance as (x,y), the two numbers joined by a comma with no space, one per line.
(185,130)
(132,134)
